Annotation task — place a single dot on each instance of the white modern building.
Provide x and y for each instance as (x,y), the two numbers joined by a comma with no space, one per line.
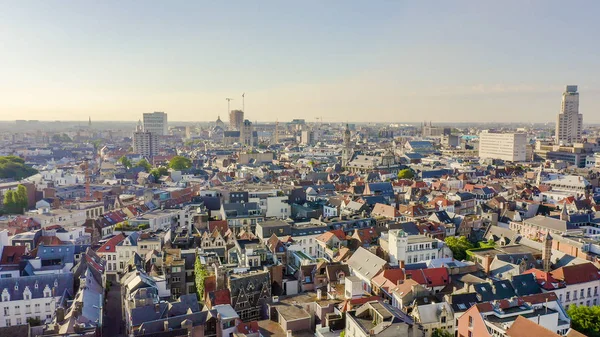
(156,122)
(503,146)
(569,121)
(412,248)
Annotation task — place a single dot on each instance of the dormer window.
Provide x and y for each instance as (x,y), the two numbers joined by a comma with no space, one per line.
(16,286)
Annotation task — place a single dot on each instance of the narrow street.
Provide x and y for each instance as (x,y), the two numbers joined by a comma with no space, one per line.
(113,323)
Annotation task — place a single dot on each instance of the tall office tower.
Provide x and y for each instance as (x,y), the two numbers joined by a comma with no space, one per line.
(236,119)
(569,121)
(145,143)
(156,122)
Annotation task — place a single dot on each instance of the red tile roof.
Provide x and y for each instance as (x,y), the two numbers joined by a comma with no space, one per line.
(545,280)
(221,297)
(109,246)
(50,241)
(248,327)
(220,225)
(430,277)
(366,235)
(523,327)
(388,278)
(24,222)
(579,273)
(12,254)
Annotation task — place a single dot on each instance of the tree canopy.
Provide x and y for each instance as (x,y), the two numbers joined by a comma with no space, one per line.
(441,333)
(406,174)
(159,171)
(63,138)
(125,162)
(14,167)
(459,246)
(180,163)
(585,319)
(201,273)
(15,201)
(145,164)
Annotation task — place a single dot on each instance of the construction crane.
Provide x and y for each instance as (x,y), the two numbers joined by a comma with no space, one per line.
(228,104)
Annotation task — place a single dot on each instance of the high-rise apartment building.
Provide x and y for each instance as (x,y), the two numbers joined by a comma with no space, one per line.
(145,143)
(236,119)
(156,122)
(569,122)
(503,146)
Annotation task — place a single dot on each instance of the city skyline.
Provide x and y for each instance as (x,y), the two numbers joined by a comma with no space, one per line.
(407,62)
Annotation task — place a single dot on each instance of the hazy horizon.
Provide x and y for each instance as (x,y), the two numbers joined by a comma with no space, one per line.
(339,60)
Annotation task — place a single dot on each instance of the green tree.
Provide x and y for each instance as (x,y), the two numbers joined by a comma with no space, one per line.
(13,167)
(406,174)
(585,319)
(21,197)
(441,333)
(180,163)
(9,202)
(125,162)
(34,321)
(145,164)
(459,246)
(201,274)
(159,171)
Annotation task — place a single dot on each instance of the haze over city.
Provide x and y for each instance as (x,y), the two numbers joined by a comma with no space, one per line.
(340,60)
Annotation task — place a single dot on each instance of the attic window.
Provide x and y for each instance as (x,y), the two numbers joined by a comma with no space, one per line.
(36,285)
(461,306)
(16,286)
(107,248)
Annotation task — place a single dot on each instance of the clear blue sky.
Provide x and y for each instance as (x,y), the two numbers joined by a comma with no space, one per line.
(340,60)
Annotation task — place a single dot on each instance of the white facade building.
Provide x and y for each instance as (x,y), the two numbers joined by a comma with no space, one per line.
(156,122)
(569,121)
(411,248)
(32,297)
(503,146)
(278,207)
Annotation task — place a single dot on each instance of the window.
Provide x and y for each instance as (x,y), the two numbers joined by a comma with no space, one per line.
(6,311)
(19,321)
(589,293)
(8,322)
(443,319)
(27,297)
(568,295)
(470,321)
(47,307)
(37,307)
(28,309)
(581,293)
(176,279)
(17,310)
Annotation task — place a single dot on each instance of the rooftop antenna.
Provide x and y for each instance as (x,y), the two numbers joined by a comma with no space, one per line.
(243,102)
